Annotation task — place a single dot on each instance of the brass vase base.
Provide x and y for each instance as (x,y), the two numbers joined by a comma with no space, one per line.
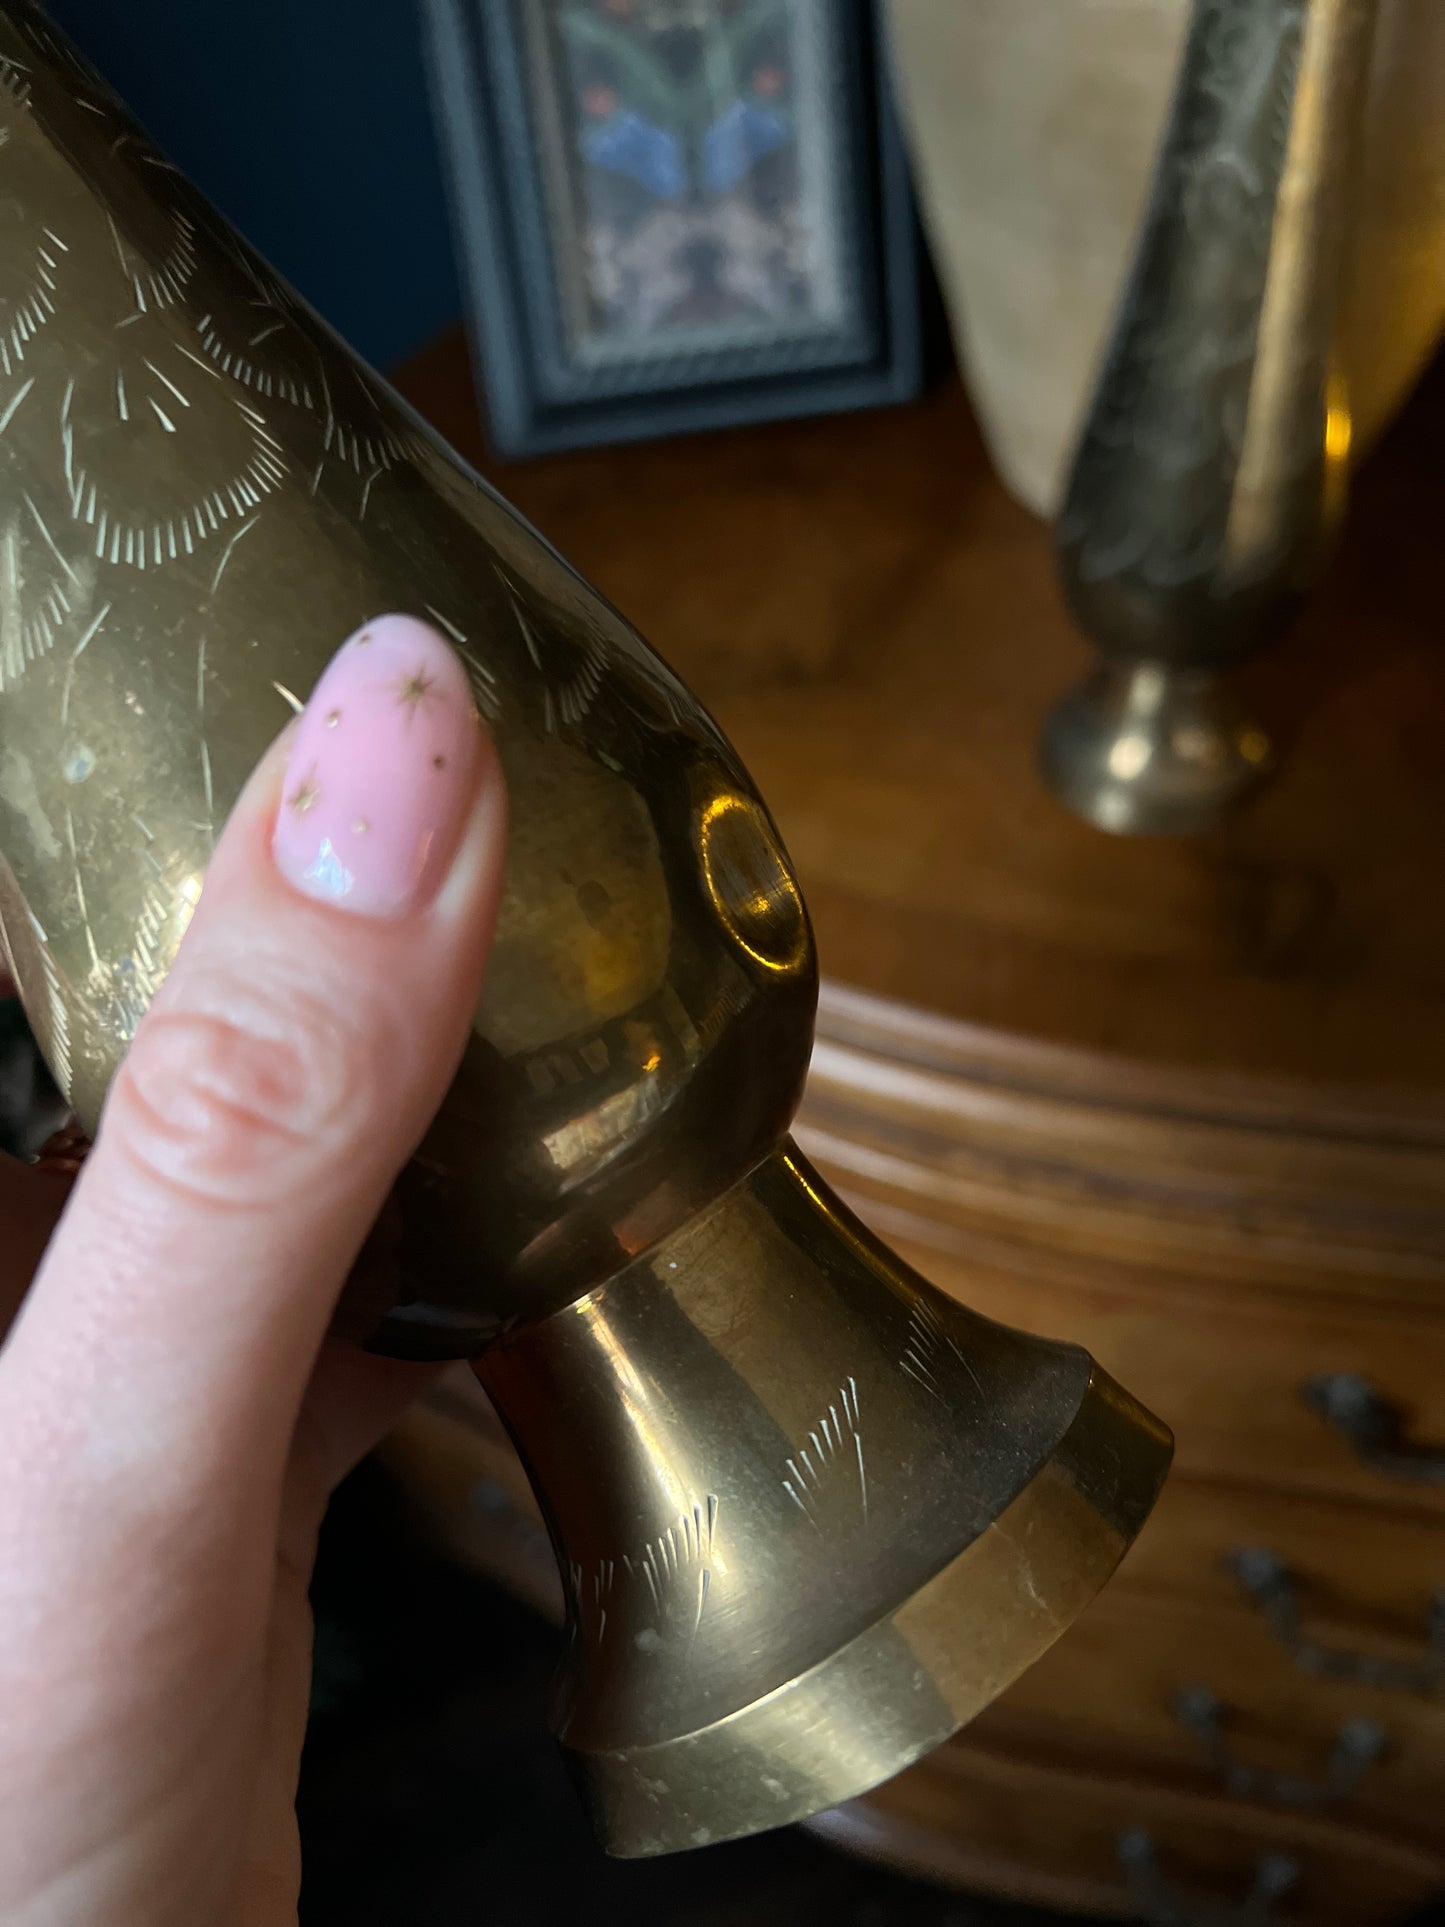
(1150,750)
(813,1514)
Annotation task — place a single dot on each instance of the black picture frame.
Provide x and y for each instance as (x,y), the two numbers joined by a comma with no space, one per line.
(543,393)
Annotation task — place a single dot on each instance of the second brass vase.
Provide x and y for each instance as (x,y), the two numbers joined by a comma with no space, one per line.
(1211,470)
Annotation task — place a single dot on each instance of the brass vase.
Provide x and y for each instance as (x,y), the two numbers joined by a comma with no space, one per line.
(811,1514)
(1212,464)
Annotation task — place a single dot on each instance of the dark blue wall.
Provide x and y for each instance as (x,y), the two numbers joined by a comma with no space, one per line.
(306,121)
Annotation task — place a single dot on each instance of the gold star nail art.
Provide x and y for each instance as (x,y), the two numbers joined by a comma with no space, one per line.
(413,689)
(304,795)
(361,826)
(333,717)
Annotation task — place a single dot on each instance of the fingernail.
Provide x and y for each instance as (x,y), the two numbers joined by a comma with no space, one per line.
(381,773)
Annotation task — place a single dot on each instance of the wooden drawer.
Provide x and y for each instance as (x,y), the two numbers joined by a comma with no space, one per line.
(1112,1690)
(1226,1368)
(1039,1831)
(1076,1159)
(1364,1579)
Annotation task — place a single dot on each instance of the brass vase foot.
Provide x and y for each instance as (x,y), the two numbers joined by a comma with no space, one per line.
(1149,750)
(812,1515)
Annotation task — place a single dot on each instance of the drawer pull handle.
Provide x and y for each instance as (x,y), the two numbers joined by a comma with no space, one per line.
(1271,1585)
(1374,1426)
(1163,1905)
(1358,1744)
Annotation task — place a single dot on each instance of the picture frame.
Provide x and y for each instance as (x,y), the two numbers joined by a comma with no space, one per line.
(675,215)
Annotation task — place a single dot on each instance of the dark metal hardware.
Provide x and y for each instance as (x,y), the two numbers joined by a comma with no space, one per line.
(1163,1905)
(1358,1744)
(1374,1425)
(1270,1583)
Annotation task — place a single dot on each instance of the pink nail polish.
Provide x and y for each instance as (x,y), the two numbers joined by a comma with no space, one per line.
(381,773)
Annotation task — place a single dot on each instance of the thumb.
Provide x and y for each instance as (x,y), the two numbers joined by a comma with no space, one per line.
(313,1019)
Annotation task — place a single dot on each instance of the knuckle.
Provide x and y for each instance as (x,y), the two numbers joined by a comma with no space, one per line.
(237,1098)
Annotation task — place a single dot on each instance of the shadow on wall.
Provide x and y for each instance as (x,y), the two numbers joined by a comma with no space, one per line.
(306,122)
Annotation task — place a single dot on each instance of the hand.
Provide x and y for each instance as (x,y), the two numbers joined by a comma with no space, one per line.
(172,1419)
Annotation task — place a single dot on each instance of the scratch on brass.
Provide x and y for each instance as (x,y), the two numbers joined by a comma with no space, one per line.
(79,650)
(47,537)
(80,891)
(14,404)
(229,551)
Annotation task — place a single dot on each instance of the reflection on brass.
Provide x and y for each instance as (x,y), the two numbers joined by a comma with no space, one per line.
(1213,460)
(811,1514)
(749,884)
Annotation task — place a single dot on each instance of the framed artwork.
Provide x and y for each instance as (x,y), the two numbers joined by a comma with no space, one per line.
(675,214)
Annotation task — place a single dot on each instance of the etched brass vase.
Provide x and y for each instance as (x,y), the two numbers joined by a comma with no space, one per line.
(1212,464)
(811,1513)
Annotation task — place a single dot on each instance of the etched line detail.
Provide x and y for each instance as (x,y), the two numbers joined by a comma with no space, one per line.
(832,1461)
(31,284)
(12,614)
(94,488)
(670,1578)
(79,883)
(484,683)
(79,650)
(569,688)
(166,382)
(15,400)
(229,550)
(57,1018)
(929,1349)
(592,1596)
(167,283)
(15,79)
